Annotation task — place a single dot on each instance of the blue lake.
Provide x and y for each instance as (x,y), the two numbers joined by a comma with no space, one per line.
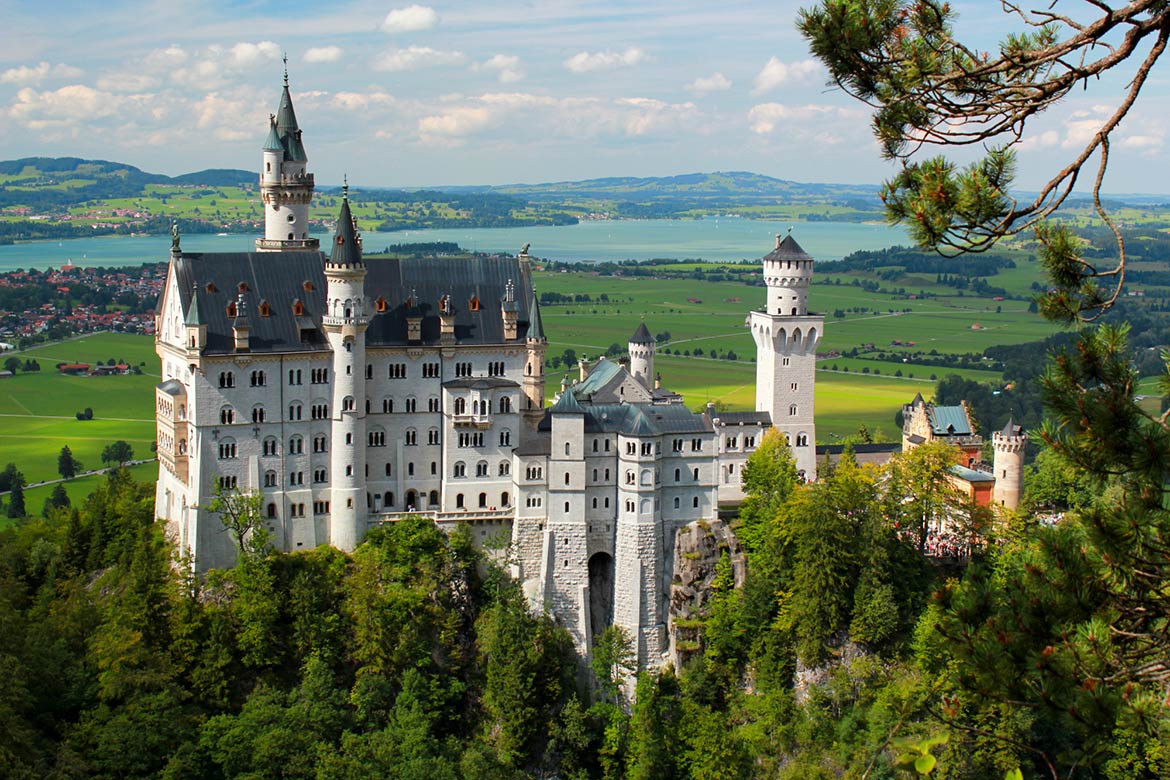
(723,239)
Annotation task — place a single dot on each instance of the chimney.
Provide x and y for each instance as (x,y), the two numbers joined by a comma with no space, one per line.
(446,320)
(658,381)
(582,367)
(510,310)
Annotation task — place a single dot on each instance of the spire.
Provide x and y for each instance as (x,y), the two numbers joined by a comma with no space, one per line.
(193,318)
(642,335)
(1011,429)
(272,142)
(535,325)
(286,125)
(567,404)
(347,247)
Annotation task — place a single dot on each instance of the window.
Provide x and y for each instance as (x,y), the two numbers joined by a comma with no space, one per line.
(270,446)
(695,476)
(462,369)
(460,406)
(296,510)
(496,368)
(257,414)
(319,376)
(294,410)
(228,483)
(369,370)
(319,476)
(732,441)
(296,445)
(347,403)
(471,439)
(349,438)
(595,446)
(411,438)
(349,471)
(433,436)
(271,511)
(387,406)
(388,498)
(594,475)
(794,387)
(792,410)
(802,440)
(505,468)
(296,478)
(647,448)
(320,443)
(319,411)
(294,376)
(481,469)
(430,370)
(227,379)
(396,371)
(434,468)
(696,445)
(607,475)
(433,404)
(257,379)
(460,469)
(566,448)
(677,445)
(676,502)
(270,480)
(376,437)
(389,470)
(227,449)
(505,438)
(677,475)
(320,507)
(411,406)
(459,501)
(749,442)
(533,472)
(594,502)
(695,502)
(631,478)
(505,499)
(410,469)
(506,404)
(631,448)
(227,416)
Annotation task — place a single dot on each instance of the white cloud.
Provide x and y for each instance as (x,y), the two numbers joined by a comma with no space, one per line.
(246,55)
(1146,142)
(775,73)
(323,54)
(355,101)
(166,58)
(38,73)
(1039,140)
(414,57)
(410,19)
(455,122)
(765,117)
(586,62)
(125,81)
(67,106)
(716,82)
(506,66)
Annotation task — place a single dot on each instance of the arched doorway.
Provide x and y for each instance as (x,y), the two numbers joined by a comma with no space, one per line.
(411,500)
(600,592)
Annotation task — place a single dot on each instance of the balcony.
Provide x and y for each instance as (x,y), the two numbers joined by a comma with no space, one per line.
(450,518)
(471,420)
(284,245)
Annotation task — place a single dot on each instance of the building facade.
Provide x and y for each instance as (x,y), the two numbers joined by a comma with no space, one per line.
(350,391)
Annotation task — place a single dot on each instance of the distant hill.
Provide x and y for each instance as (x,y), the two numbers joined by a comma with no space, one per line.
(738,186)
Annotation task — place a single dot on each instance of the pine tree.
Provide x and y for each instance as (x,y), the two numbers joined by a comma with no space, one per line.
(67,465)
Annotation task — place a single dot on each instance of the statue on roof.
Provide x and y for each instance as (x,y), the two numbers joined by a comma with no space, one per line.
(174,236)
(524,249)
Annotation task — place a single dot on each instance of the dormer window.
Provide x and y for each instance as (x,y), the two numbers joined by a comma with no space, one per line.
(231,309)
(264,309)
(473,304)
(307,287)
(210,288)
(340,240)
(242,287)
(380,304)
(298,308)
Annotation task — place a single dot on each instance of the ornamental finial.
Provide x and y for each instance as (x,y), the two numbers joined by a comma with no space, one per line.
(285,58)
(345,186)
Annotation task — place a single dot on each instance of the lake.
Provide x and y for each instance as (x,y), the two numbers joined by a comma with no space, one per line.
(718,239)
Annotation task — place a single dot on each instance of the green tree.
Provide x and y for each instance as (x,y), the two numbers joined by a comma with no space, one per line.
(12,364)
(613,661)
(116,453)
(16,499)
(67,465)
(58,499)
(240,514)
(769,477)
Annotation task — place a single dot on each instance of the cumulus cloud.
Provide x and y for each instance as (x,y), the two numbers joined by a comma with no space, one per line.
(1039,140)
(765,117)
(124,81)
(775,73)
(1146,142)
(245,55)
(210,68)
(716,82)
(323,54)
(456,122)
(360,101)
(507,68)
(586,62)
(413,57)
(66,106)
(410,19)
(35,74)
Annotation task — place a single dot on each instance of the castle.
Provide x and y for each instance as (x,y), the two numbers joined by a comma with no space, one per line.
(349,392)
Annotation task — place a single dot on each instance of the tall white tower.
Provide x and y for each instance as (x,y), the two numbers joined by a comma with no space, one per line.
(1009,445)
(345,323)
(641,348)
(786,337)
(285,186)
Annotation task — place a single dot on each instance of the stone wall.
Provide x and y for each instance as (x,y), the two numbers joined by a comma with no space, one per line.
(697,549)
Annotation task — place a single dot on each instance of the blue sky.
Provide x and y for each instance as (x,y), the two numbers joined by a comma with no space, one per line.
(402,94)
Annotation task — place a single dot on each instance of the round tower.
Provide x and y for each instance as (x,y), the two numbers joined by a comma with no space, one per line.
(1009,445)
(345,321)
(536,344)
(641,348)
(787,273)
(286,187)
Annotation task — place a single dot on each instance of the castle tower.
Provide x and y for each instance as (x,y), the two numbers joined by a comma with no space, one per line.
(641,348)
(286,187)
(536,344)
(786,337)
(345,322)
(1009,445)
(566,590)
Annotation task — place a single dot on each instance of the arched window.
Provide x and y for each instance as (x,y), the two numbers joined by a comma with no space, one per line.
(271,510)
(677,475)
(458,500)
(460,469)
(433,498)
(504,498)
(269,479)
(483,500)
(257,414)
(270,446)
(676,503)
(388,498)
(505,468)
(227,415)
(460,406)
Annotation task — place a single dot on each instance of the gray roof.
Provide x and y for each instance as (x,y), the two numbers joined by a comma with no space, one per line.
(272,142)
(172,387)
(193,317)
(1011,429)
(605,375)
(787,249)
(280,278)
(970,475)
(642,335)
(949,421)
(743,418)
(347,249)
(288,130)
(535,324)
(567,404)
(639,419)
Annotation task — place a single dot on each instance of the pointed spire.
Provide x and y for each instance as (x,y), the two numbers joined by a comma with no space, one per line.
(193,319)
(642,335)
(272,142)
(567,403)
(535,325)
(285,58)
(347,248)
(286,125)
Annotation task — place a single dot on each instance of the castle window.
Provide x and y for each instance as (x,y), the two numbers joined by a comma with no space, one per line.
(460,406)
(227,416)
(211,288)
(677,475)
(430,370)
(231,309)
(227,449)
(566,512)
(242,287)
(411,438)
(802,440)
(695,502)
(411,405)
(396,371)
(481,469)
(380,304)
(387,406)
(792,410)
(349,471)
(696,445)
(294,410)
(433,404)
(369,370)
(296,445)
(458,500)
(257,414)
(319,376)
(506,404)
(483,500)
(347,404)
(389,470)
(505,468)
(676,502)
(473,304)
(228,483)
(318,476)
(460,469)
(505,438)
(227,379)
(319,411)
(258,379)
(377,437)
(294,376)
(270,479)
(298,307)
(388,498)
(320,443)
(566,448)
(271,510)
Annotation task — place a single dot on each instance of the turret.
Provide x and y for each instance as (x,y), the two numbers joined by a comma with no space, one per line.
(510,310)
(787,273)
(195,324)
(241,326)
(286,187)
(641,348)
(345,323)
(1009,446)
(535,346)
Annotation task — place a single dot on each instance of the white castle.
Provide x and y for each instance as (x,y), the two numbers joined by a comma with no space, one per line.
(351,392)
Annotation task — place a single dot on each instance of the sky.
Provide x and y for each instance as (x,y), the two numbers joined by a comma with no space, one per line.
(396,94)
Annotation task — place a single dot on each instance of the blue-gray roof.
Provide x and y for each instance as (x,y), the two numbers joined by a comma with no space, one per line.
(642,335)
(347,251)
(788,249)
(601,376)
(971,475)
(949,421)
(567,404)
